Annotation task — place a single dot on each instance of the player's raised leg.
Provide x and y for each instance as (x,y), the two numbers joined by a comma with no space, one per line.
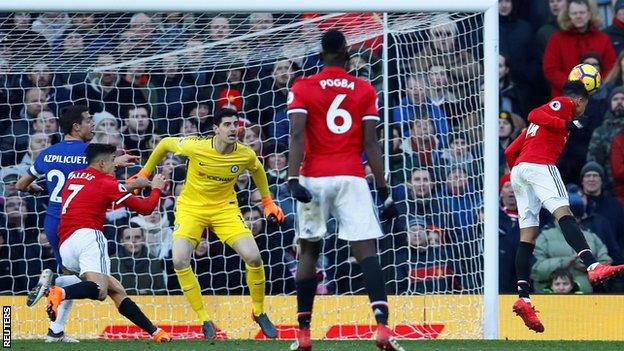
(596,272)
(247,249)
(181,251)
(130,310)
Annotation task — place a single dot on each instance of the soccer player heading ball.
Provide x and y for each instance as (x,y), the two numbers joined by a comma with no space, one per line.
(536,182)
(333,117)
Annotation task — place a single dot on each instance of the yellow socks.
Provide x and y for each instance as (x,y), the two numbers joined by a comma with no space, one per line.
(256,283)
(190,287)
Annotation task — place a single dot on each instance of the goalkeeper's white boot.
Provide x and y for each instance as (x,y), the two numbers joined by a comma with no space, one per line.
(45,280)
(58,337)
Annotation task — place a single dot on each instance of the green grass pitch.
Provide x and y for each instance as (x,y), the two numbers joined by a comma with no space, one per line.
(325,345)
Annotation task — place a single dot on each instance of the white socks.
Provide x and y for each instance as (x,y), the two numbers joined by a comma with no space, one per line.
(65,306)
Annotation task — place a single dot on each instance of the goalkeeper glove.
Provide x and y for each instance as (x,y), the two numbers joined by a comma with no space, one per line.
(388,210)
(142,173)
(271,210)
(298,191)
(576,124)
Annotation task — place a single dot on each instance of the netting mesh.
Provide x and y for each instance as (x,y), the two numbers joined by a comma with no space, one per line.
(144,77)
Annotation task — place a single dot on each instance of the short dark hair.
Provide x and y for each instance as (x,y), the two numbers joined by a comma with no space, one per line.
(221,113)
(70,115)
(575,88)
(95,151)
(334,42)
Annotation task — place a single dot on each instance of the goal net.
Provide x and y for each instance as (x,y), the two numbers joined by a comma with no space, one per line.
(146,76)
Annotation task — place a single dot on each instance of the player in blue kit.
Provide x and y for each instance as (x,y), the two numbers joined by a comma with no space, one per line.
(55,163)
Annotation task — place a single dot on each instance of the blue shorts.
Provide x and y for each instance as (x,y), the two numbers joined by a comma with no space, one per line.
(50,224)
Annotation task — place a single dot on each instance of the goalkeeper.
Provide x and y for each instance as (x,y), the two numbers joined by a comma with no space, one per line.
(208,200)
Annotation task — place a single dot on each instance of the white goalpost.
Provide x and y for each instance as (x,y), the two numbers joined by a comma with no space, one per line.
(435,66)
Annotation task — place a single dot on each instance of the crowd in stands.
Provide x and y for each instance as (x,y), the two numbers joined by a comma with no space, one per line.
(435,140)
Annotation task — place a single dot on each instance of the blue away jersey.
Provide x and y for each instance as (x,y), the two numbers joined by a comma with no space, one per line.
(55,163)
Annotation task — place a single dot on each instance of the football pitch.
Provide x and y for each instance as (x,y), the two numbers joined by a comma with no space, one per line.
(323,345)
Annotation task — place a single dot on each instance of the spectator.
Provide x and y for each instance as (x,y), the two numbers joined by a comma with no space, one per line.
(459,205)
(541,90)
(423,265)
(617,165)
(562,282)
(417,104)
(419,198)
(46,123)
(276,163)
(550,27)
(105,122)
(219,29)
(594,222)
(600,143)
(173,28)
(273,101)
(614,78)
(193,63)
(458,154)
(513,97)
(553,252)
(143,28)
(136,128)
(173,93)
(275,249)
(157,232)
(36,144)
(442,96)
(135,89)
(260,21)
(616,30)
(579,33)
(252,138)
(516,38)
(508,237)
(15,135)
(422,145)
(202,113)
(100,91)
(96,40)
(70,56)
(600,202)
(400,161)
(364,64)
(19,233)
(22,38)
(188,128)
(138,274)
(51,25)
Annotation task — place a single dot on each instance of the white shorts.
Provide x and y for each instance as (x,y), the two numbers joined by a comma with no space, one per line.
(86,250)
(348,199)
(536,186)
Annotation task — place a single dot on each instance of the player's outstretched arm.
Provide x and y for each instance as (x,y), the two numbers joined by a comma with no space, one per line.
(271,210)
(126,160)
(295,156)
(25,183)
(373,154)
(166,145)
(146,206)
(546,120)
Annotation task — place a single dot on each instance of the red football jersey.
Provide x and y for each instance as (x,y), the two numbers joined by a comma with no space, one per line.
(335,103)
(544,139)
(87,195)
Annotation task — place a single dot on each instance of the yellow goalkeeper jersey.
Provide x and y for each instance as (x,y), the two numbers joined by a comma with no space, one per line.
(210,175)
